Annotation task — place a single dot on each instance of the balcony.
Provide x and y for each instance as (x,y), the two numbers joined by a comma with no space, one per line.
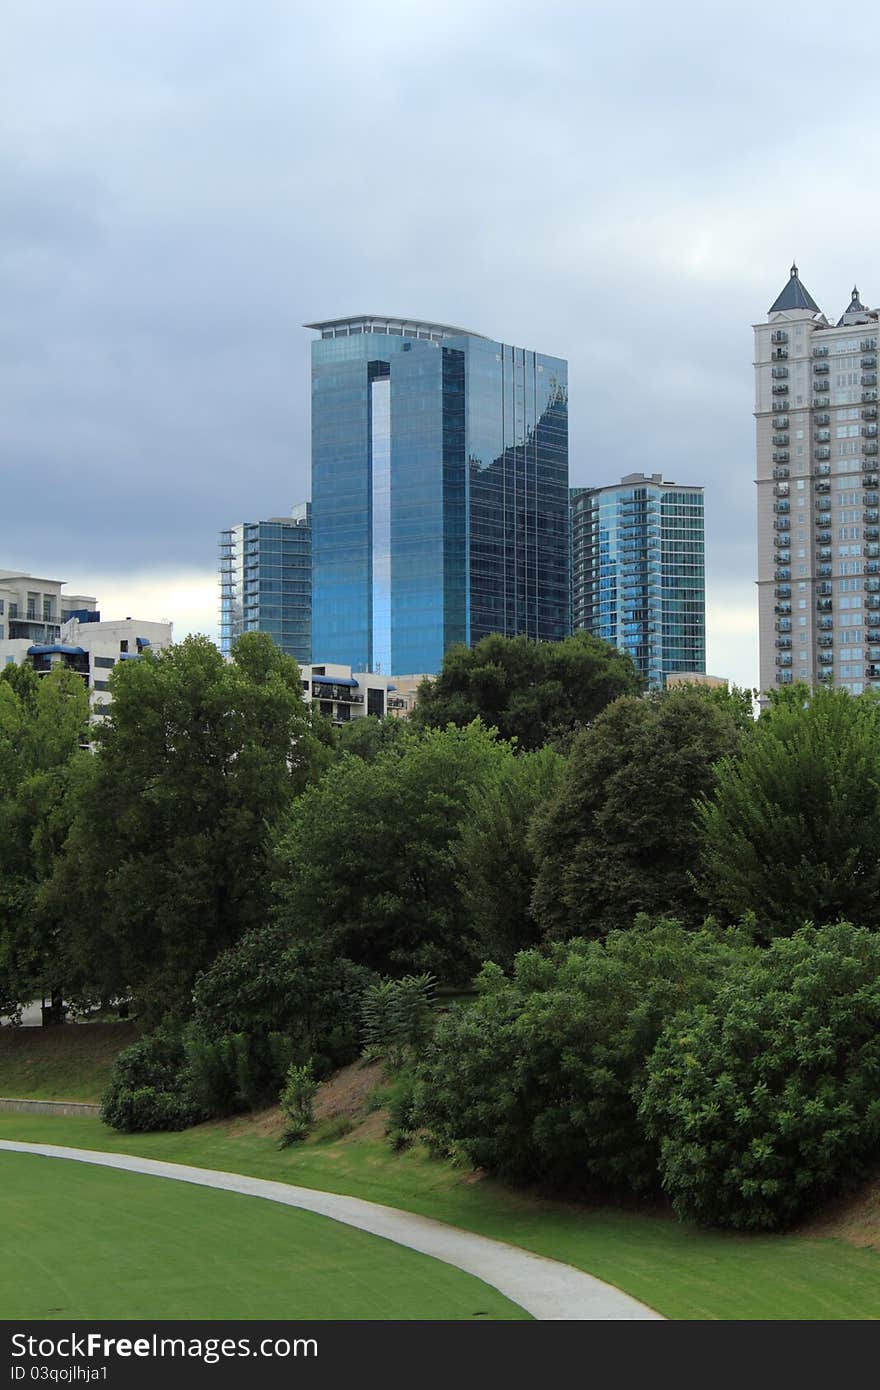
(824,605)
(784,659)
(779,335)
(872,620)
(823,452)
(872,586)
(821,436)
(868,379)
(870,516)
(780,422)
(821,351)
(825,571)
(781,440)
(779,473)
(868,345)
(827,677)
(868,363)
(823,419)
(783,643)
(821,369)
(869,446)
(783,610)
(869,412)
(823,589)
(783,506)
(783,572)
(823,537)
(782,523)
(783,677)
(781,389)
(867,396)
(783,591)
(823,470)
(783,625)
(869,431)
(872,601)
(780,456)
(779,354)
(825,552)
(826,658)
(826,624)
(780,489)
(826,640)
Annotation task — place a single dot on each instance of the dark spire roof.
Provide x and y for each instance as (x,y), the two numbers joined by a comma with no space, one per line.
(794,296)
(856,306)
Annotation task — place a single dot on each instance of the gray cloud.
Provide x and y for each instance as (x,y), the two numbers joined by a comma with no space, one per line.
(621,184)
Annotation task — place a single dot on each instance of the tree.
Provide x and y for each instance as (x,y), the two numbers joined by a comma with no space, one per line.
(764,1100)
(43,726)
(530,691)
(620,836)
(534,1080)
(271,982)
(791,830)
(497,861)
(167,861)
(367,864)
(369,736)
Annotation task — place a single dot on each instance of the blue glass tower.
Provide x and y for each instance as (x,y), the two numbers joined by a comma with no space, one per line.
(638,572)
(266,582)
(439,492)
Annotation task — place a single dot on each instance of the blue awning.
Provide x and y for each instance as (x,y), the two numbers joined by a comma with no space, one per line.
(129,656)
(334,680)
(55,649)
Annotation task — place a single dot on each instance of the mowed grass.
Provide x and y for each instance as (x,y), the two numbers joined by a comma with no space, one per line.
(681,1271)
(71,1062)
(98,1243)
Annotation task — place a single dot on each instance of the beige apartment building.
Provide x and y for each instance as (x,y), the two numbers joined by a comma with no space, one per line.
(818,493)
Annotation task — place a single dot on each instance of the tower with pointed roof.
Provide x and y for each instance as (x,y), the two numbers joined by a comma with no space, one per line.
(818,493)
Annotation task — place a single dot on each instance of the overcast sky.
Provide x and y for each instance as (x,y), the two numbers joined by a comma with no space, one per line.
(185,184)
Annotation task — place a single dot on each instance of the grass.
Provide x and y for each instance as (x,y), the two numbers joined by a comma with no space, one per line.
(681,1271)
(98,1243)
(71,1062)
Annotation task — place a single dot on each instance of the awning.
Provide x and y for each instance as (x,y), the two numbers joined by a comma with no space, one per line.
(335,680)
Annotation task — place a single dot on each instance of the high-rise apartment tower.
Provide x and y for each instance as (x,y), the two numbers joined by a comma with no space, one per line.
(818,494)
(266,582)
(439,492)
(638,572)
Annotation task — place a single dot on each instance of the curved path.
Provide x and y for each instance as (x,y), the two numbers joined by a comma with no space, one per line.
(546,1288)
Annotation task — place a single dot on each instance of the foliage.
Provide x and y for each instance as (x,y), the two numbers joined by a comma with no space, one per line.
(369,736)
(792,830)
(235,1071)
(271,982)
(620,836)
(496,856)
(765,1100)
(368,863)
(529,691)
(397,1016)
(297,1100)
(534,1081)
(166,863)
(145,1090)
(43,725)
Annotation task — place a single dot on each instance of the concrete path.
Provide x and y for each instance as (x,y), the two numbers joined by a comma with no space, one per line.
(547,1289)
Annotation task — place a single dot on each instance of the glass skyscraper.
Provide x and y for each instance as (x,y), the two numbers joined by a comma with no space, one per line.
(439,492)
(266,582)
(638,572)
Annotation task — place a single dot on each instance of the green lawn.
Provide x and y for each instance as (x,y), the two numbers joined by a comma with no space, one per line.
(68,1063)
(680,1271)
(98,1243)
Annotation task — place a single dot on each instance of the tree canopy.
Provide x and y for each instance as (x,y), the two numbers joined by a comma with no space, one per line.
(620,836)
(369,859)
(530,691)
(166,863)
(792,829)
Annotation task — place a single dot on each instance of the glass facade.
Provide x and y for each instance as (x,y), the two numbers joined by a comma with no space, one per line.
(439,493)
(266,582)
(638,573)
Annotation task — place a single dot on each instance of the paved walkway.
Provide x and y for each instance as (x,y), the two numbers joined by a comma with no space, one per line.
(547,1289)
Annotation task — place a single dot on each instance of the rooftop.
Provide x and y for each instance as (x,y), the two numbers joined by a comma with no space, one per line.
(794,296)
(389,323)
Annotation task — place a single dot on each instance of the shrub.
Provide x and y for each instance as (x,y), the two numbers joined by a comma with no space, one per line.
(297,1100)
(397,1016)
(236,1071)
(534,1081)
(767,1099)
(146,1089)
(272,983)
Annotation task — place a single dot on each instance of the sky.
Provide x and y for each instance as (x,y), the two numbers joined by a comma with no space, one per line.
(183,186)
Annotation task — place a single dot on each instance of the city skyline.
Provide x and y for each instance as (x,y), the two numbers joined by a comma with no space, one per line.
(171,221)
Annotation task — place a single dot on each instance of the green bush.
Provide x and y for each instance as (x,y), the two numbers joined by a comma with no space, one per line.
(273,983)
(766,1100)
(398,1016)
(534,1080)
(297,1100)
(146,1090)
(237,1071)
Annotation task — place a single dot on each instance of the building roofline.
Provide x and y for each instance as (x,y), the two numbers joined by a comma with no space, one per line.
(404,321)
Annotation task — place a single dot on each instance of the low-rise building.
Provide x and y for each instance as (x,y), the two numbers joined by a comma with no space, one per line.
(342,694)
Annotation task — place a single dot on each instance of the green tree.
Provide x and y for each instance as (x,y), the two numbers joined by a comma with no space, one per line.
(43,727)
(764,1101)
(167,860)
(496,856)
(530,691)
(791,830)
(620,837)
(368,737)
(368,861)
(534,1080)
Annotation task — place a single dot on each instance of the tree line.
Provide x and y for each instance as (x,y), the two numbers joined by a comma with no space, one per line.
(654,895)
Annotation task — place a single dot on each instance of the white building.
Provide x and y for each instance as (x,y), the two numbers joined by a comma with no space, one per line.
(818,493)
(342,694)
(48,629)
